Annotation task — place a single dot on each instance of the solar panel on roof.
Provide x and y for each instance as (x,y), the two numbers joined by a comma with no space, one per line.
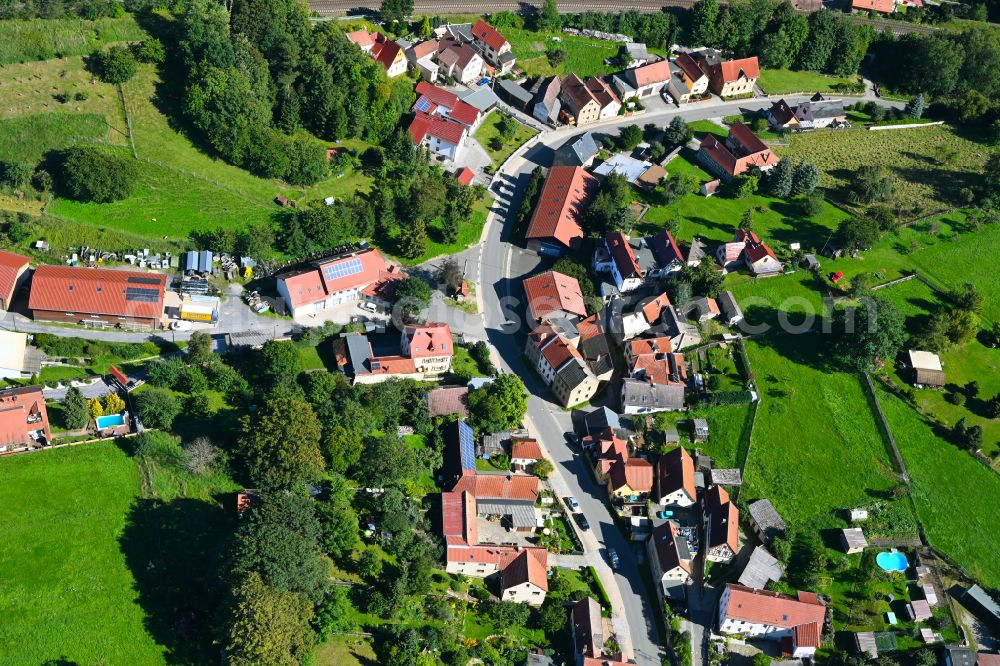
(141,295)
(466,442)
(342,269)
(144,280)
(423,104)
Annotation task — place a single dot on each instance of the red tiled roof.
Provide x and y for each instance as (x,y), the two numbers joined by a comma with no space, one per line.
(551,292)
(807,635)
(384,288)
(745,235)
(527,449)
(558,350)
(733,69)
(656,72)
(464,113)
(488,34)
(304,288)
(635,474)
(499,486)
(659,368)
(564,196)
(664,540)
(362,37)
(772,609)
(688,65)
(987,659)
(527,565)
(438,95)
(718,153)
(666,248)
(386,52)
(676,471)
(884,6)
(465,176)
(661,345)
(746,138)
(623,255)
(608,445)
(654,309)
(757,251)
(97,291)
(602,92)
(424,124)
(394,365)
(458,518)
(432,339)
(723,517)
(373,266)
(782,113)
(16,405)
(424,49)
(11,267)
(448,400)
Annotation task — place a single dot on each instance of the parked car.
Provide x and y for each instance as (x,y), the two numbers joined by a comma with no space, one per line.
(571,502)
(365,305)
(613,558)
(836,277)
(663,515)
(581,520)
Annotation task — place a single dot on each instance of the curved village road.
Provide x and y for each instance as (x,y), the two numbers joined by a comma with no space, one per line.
(502,267)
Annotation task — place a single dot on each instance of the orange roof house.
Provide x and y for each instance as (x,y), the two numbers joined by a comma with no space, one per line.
(721,525)
(553,294)
(340,278)
(881,6)
(487,34)
(631,477)
(71,294)
(426,340)
(23,418)
(796,621)
(13,272)
(675,478)
(556,224)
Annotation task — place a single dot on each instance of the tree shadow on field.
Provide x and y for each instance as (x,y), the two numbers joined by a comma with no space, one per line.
(175,552)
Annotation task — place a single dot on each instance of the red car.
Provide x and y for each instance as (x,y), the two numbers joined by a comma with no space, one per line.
(837,277)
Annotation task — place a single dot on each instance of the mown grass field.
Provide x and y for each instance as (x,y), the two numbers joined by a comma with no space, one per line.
(484,135)
(957,497)
(42,39)
(28,138)
(785,81)
(926,182)
(816,445)
(67,590)
(727,426)
(584,56)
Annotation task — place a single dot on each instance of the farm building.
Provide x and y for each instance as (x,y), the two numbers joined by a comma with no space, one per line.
(97,297)
(927,369)
(765,520)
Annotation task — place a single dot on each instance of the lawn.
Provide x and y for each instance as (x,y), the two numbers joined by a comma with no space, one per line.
(42,39)
(957,497)
(786,81)
(28,138)
(584,56)
(816,445)
(715,219)
(727,426)
(345,651)
(926,183)
(489,129)
(792,302)
(69,593)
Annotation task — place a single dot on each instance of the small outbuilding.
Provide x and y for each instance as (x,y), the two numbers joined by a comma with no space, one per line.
(853,540)
(865,643)
(765,520)
(919,610)
(699,430)
(731,312)
(927,369)
(859,515)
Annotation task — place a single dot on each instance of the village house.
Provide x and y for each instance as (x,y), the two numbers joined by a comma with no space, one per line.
(24,421)
(606,448)
(448,400)
(546,104)
(765,521)
(817,113)
(580,152)
(642,397)
(705,308)
(18,360)
(879,6)
(438,101)
(797,622)
(643,81)
(762,568)
(524,453)
(749,251)
(741,152)
(646,314)
(440,135)
(425,351)
(588,102)
(687,81)
(637,53)
(630,480)
(722,531)
(346,277)
(729,78)
(493,46)
(422,58)
(589,638)
(97,297)
(556,224)
(514,95)
(670,559)
(383,50)
(561,365)
(731,312)
(13,274)
(553,295)
(633,261)
(459,61)
(675,484)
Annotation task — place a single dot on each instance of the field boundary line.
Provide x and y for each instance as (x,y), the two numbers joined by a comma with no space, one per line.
(887,431)
(128,120)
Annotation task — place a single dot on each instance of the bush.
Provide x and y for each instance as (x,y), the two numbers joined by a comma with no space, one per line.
(955,398)
(116,65)
(89,173)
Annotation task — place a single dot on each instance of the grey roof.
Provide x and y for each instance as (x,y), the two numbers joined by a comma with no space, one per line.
(698,249)
(960,656)
(820,109)
(854,537)
(521,512)
(585,148)
(515,91)
(601,418)
(637,51)
(726,477)
(623,164)
(460,30)
(766,517)
(678,82)
(252,338)
(811,261)
(865,642)
(482,98)
(700,424)
(572,373)
(761,568)
(547,94)
(359,351)
(730,308)
(652,396)
(979,595)
(588,628)
(539,660)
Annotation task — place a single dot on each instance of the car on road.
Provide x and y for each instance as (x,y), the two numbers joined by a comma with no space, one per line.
(581,520)
(663,515)
(613,558)
(571,502)
(370,307)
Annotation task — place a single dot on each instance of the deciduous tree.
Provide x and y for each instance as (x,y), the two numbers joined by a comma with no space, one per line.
(267,626)
(279,444)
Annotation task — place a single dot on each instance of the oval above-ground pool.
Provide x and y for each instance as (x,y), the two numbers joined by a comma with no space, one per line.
(892,561)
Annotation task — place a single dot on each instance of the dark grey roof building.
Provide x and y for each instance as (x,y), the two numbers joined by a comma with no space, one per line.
(639,397)
(513,94)
(765,520)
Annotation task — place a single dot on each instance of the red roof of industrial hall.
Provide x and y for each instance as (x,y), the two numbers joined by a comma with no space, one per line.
(565,194)
(97,291)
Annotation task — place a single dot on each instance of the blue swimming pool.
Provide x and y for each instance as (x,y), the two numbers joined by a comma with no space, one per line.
(892,561)
(110,421)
